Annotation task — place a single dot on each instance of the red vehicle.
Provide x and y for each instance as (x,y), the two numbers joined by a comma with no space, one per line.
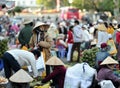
(69,13)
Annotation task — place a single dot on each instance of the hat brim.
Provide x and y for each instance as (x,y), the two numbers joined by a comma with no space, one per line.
(40,24)
(27,22)
(54,61)
(21,76)
(109,60)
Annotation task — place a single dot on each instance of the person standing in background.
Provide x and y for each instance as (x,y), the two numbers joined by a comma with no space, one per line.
(69,42)
(102,36)
(42,41)
(61,46)
(118,43)
(115,27)
(86,37)
(62,29)
(101,55)
(26,33)
(78,38)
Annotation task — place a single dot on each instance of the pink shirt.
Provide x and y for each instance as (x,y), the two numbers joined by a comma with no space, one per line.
(15,28)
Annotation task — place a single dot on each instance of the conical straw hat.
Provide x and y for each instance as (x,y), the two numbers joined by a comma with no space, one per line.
(109,60)
(27,21)
(21,76)
(54,61)
(38,24)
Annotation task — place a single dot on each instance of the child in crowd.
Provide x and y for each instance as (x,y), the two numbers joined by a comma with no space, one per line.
(61,46)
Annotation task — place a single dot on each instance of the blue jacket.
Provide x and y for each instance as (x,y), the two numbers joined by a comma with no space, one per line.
(1,64)
(100,56)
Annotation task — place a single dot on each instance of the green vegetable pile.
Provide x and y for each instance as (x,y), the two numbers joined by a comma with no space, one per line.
(89,56)
(3,46)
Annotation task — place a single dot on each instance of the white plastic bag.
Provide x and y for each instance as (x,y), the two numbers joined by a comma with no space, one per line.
(79,75)
(40,65)
(106,84)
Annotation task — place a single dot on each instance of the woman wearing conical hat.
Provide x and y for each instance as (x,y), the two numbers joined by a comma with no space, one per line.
(106,71)
(58,73)
(20,79)
(42,41)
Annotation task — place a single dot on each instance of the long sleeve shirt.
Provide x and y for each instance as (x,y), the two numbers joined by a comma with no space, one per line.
(24,58)
(25,35)
(78,34)
(102,38)
(107,74)
(58,76)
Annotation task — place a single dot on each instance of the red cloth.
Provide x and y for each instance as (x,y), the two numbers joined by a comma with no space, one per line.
(58,76)
(70,37)
(118,37)
(103,45)
(58,44)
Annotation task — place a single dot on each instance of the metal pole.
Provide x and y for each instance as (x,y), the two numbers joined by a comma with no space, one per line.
(58,5)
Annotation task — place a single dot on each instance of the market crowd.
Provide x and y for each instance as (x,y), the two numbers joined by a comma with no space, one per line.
(52,43)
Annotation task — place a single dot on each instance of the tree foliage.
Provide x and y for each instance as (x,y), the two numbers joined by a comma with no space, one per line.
(47,4)
(99,5)
(18,9)
(107,5)
(50,4)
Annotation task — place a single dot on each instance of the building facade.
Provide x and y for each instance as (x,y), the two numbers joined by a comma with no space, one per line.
(25,3)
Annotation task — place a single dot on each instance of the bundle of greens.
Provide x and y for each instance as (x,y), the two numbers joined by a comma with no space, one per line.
(89,56)
(3,46)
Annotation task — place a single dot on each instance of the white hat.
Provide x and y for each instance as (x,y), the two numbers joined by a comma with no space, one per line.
(109,60)
(114,22)
(85,26)
(38,24)
(27,21)
(21,76)
(100,21)
(55,61)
